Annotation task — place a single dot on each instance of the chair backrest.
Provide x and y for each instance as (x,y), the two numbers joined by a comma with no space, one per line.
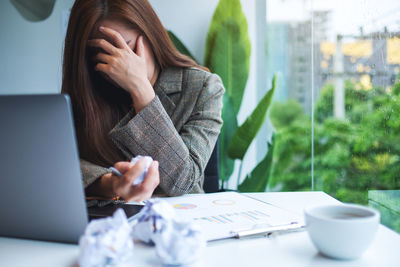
(211,173)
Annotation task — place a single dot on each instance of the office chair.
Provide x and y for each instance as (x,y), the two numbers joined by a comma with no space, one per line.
(211,172)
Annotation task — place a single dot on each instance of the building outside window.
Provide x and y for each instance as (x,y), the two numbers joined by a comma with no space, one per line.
(337,113)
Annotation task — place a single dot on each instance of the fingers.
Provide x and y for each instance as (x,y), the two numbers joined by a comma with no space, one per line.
(105,58)
(122,166)
(152,179)
(146,188)
(102,67)
(139,46)
(133,173)
(125,187)
(103,44)
(115,36)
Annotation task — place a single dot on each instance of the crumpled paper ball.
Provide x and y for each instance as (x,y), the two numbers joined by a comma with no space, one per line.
(156,214)
(177,242)
(106,241)
(148,162)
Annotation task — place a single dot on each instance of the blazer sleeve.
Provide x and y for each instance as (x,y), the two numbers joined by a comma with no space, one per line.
(91,172)
(184,155)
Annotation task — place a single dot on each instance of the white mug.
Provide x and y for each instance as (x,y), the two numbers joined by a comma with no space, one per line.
(342,231)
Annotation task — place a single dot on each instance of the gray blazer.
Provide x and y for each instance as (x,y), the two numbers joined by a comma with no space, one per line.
(178,128)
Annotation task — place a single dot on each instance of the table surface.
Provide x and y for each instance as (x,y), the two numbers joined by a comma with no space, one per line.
(291,249)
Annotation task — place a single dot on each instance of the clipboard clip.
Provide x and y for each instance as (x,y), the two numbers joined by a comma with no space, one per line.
(291,227)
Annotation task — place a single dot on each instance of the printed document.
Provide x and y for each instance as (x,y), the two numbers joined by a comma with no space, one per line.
(221,214)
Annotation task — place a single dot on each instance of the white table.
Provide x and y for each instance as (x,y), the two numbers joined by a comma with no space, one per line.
(292,249)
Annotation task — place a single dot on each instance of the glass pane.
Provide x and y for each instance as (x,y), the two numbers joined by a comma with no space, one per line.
(357,106)
(288,48)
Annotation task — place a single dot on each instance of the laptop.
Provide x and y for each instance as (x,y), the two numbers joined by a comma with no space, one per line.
(41,190)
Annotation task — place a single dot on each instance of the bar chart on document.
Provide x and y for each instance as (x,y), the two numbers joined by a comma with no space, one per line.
(221,213)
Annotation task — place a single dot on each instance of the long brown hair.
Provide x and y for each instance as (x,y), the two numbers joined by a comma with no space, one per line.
(96,108)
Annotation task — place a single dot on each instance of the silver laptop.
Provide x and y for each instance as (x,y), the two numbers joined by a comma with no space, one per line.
(41,192)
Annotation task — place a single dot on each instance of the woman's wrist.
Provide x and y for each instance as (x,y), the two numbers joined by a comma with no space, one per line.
(102,187)
(142,96)
(107,186)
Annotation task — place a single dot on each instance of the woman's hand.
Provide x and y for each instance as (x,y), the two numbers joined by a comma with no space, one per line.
(123,66)
(123,186)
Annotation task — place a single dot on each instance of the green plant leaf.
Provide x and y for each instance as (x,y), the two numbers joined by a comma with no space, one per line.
(257,180)
(245,134)
(230,125)
(228,49)
(228,55)
(180,46)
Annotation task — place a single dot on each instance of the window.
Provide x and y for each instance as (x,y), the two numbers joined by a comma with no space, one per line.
(338,128)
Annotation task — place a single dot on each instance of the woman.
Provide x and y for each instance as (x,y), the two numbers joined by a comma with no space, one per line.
(134,94)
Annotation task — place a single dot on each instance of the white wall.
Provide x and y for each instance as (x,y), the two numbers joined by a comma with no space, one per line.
(31,52)
(189,20)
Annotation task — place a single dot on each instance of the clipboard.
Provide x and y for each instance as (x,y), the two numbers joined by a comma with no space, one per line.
(234,215)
